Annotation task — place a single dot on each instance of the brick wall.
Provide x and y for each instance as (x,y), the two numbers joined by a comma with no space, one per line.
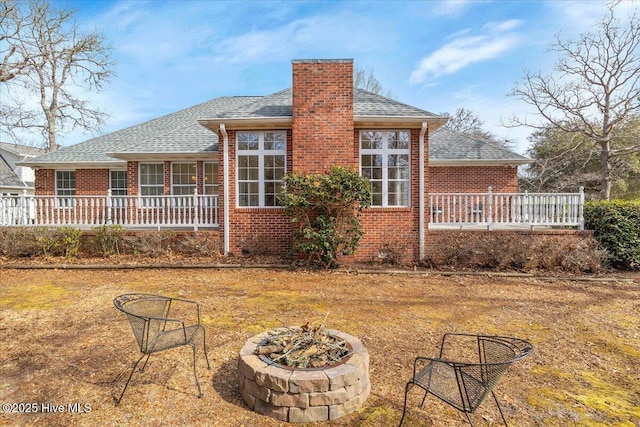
(252,230)
(322,114)
(473,179)
(395,229)
(89,182)
(45,184)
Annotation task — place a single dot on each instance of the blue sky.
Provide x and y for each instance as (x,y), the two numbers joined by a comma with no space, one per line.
(436,55)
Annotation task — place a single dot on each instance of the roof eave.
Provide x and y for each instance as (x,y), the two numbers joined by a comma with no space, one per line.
(164,155)
(476,162)
(433,122)
(213,125)
(73,165)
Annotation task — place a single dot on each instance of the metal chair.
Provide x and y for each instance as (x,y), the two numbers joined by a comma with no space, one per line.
(157,326)
(467,370)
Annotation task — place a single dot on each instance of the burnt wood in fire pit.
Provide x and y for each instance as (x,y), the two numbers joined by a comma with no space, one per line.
(304,394)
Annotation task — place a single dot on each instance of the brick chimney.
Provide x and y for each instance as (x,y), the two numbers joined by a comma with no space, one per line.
(323,134)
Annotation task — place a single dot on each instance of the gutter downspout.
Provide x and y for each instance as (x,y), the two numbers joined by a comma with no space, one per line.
(225,184)
(422,188)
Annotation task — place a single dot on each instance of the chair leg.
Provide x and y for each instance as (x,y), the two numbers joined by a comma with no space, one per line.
(499,409)
(145,363)
(204,347)
(404,408)
(421,405)
(469,418)
(195,375)
(119,399)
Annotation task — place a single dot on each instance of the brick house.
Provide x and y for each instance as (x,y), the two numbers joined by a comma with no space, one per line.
(237,149)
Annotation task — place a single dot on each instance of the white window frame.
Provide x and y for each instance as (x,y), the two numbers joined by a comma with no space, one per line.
(67,200)
(385,152)
(207,185)
(261,153)
(146,200)
(118,190)
(192,179)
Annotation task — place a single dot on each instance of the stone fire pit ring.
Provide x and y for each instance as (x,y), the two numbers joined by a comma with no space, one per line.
(300,395)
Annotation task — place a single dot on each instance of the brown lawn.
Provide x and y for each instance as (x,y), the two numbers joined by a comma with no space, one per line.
(63,342)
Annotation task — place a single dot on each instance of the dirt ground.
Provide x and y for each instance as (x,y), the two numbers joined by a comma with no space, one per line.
(63,343)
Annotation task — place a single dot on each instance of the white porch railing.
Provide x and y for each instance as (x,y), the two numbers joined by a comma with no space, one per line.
(448,210)
(190,211)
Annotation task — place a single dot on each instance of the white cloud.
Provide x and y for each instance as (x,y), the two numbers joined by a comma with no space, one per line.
(464,50)
(451,7)
(349,32)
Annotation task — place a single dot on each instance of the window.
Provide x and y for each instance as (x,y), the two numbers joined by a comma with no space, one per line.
(118,182)
(66,188)
(118,186)
(211,178)
(384,160)
(261,158)
(183,179)
(151,183)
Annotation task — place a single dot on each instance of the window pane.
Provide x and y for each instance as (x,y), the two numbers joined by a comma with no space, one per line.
(398,192)
(274,141)
(371,140)
(248,140)
(398,140)
(210,178)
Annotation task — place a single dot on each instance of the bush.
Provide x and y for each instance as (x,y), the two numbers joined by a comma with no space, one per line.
(108,239)
(616,225)
(327,207)
(149,243)
(509,251)
(19,242)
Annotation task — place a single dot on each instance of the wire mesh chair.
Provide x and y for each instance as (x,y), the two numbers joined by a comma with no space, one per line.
(463,384)
(158,324)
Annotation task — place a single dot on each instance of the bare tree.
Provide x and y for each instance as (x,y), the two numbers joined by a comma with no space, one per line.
(466,121)
(11,24)
(60,61)
(366,80)
(595,88)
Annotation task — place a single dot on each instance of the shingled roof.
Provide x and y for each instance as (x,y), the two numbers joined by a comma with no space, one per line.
(180,133)
(448,147)
(177,132)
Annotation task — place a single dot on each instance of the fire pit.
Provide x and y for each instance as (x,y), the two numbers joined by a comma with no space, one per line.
(300,395)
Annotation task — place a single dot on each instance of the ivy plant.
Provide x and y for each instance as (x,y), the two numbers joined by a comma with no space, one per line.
(326,208)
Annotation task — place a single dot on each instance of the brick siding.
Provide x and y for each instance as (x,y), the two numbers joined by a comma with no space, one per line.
(473,179)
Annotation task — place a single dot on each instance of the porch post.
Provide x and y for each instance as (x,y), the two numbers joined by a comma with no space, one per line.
(195,209)
(489,207)
(23,208)
(109,207)
(581,210)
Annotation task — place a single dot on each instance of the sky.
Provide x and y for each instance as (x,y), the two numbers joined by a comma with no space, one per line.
(435,55)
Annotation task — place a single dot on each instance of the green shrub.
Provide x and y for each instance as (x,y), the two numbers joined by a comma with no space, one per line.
(616,225)
(108,239)
(327,207)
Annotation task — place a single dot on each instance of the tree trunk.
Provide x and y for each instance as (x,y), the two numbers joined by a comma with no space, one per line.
(605,157)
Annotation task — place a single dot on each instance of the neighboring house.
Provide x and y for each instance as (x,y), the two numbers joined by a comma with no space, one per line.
(15,179)
(236,151)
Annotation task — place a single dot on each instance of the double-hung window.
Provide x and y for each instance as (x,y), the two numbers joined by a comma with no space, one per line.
(385,161)
(66,188)
(210,178)
(118,187)
(183,179)
(151,184)
(261,159)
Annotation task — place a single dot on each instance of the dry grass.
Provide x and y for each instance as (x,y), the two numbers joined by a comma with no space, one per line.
(63,342)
